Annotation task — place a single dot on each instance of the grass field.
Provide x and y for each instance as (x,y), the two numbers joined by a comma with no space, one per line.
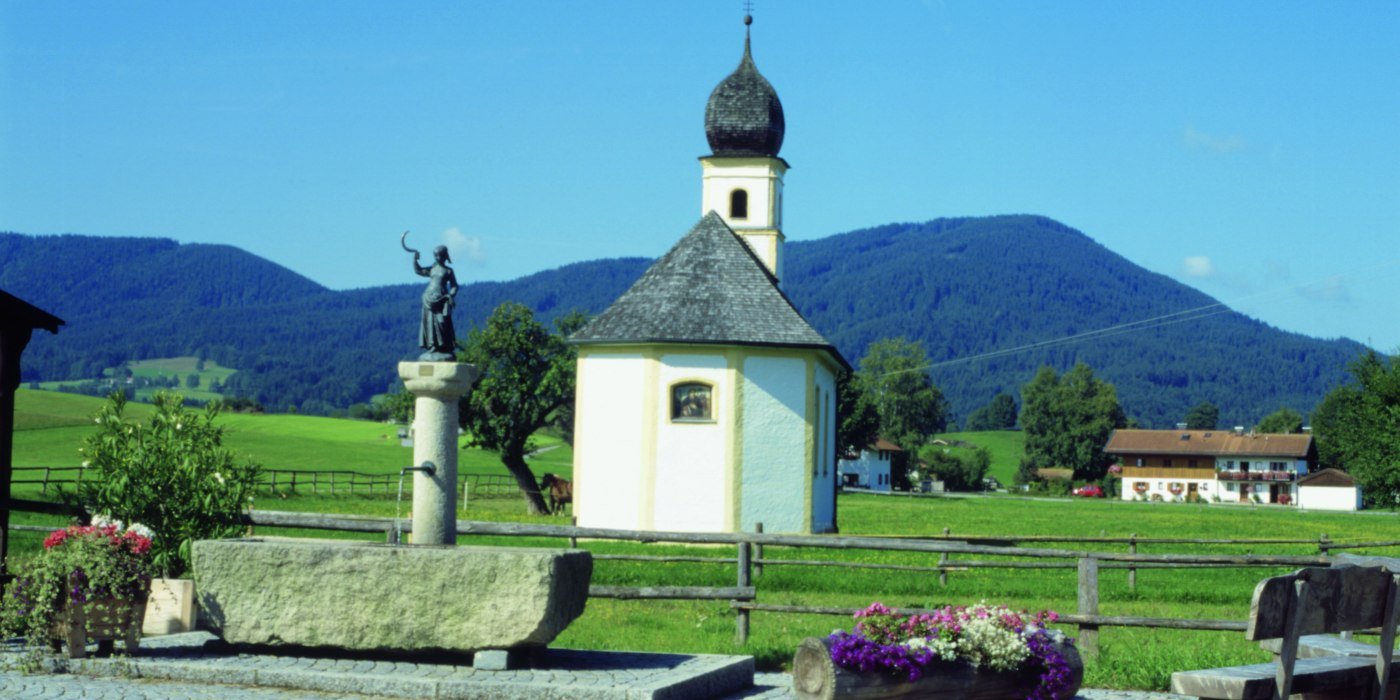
(1130,658)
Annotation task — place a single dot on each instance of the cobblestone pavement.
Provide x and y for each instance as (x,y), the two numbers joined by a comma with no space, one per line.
(177,669)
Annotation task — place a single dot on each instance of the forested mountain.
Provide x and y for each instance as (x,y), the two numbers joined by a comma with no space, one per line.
(964,287)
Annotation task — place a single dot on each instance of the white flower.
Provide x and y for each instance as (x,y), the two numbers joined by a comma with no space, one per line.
(220,477)
(86,463)
(916,643)
(142,530)
(179,425)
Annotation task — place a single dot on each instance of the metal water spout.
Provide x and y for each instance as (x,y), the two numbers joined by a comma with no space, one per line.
(427,468)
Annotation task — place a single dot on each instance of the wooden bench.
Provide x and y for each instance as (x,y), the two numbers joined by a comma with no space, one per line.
(1315,645)
(1309,602)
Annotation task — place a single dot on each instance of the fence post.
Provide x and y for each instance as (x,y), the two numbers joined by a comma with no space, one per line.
(332,483)
(1132,570)
(292,488)
(758,552)
(741,616)
(45,489)
(1324,545)
(315,479)
(573,539)
(943,561)
(1089,605)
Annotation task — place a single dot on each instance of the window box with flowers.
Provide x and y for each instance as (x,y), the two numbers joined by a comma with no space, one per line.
(88,583)
(980,651)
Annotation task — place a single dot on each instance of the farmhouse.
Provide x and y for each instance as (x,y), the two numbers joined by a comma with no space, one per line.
(705,402)
(1228,466)
(871,469)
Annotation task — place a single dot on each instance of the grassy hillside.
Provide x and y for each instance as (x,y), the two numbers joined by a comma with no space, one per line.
(1007,447)
(50,428)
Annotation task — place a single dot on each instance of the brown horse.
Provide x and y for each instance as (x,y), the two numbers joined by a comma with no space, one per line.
(560,491)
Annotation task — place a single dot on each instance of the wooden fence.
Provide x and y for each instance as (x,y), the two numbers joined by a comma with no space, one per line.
(749,561)
(287,481)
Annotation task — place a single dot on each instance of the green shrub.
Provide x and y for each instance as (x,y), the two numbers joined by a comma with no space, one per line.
(172,475)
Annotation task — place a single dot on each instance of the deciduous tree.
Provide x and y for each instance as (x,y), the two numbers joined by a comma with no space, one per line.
(1067,421)
(1284,420)
(999,414)
(527,374)
(894,375)
(1358,428)
(858,422)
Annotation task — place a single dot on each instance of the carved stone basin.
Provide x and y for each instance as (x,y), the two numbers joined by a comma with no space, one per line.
(364,596)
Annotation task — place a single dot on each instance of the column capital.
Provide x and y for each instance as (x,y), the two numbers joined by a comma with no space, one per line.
(443,380)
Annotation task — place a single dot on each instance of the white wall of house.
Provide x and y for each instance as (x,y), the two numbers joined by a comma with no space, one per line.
(1330,497)
(872,469)
(608,455)
(691,477)
(775,466)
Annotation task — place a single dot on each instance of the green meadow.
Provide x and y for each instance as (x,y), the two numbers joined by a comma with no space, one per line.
(1005,446)
(178,368)
(50,427)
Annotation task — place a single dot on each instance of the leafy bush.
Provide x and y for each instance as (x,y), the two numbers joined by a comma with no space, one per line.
(173,475)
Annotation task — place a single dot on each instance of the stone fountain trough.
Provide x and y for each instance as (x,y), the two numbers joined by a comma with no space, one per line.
(384,598)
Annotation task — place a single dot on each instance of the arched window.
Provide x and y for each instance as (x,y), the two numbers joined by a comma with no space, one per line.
(692,401)
(739,204)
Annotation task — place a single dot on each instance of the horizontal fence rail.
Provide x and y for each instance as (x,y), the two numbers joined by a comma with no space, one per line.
(287,481)
(748,559)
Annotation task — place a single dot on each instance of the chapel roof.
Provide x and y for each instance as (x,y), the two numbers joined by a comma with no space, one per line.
(744,116)
(1208,442)
(709,288)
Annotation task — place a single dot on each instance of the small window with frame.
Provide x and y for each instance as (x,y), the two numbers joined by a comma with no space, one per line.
(692,402)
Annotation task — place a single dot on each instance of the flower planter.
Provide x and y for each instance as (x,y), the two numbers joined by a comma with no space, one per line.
(102,620)
(170,607)
(816,677)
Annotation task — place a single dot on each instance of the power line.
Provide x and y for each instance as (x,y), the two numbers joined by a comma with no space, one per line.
(1187,315)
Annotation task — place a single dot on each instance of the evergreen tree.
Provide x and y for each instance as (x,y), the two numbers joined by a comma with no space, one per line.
(1204,416)
(1067,421)
(999,414)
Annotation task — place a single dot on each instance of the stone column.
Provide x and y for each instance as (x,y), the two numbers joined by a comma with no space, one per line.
(436,387)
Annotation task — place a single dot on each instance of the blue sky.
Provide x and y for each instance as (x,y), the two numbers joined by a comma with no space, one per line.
(1249,149)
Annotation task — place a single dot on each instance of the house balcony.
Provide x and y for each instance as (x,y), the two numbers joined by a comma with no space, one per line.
(1173,473)
(1256,476)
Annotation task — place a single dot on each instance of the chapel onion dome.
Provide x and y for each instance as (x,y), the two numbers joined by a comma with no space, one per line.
(744,116)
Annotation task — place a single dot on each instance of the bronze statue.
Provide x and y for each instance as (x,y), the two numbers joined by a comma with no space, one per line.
(436,335)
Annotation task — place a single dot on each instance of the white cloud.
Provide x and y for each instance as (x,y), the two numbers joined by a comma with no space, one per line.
(1198,266)
(464,248)
(1210,142)
(1332,288)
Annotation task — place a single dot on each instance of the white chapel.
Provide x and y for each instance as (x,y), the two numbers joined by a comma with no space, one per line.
(705,401)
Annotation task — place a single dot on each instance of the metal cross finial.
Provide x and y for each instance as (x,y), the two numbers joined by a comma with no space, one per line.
(748,12)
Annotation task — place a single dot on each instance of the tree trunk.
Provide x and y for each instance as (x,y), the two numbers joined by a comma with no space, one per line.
(514,459)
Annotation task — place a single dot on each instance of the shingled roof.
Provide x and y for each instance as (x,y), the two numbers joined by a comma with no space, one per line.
(710,289)
(744,116)
(1208,442)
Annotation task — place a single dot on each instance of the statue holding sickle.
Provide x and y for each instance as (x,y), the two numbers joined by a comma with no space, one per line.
(435,334)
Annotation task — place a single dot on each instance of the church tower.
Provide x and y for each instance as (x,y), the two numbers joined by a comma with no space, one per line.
(705,402)
(743,177)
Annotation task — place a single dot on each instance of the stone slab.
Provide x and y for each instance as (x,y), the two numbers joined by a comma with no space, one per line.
(561,674)
(376,597)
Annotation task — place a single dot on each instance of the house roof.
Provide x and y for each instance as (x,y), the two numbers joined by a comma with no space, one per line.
(1328,477)
(1208,442)
(883,444)
(18,313)
(709,289)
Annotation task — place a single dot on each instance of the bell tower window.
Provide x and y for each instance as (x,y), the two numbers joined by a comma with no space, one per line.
(739,204)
